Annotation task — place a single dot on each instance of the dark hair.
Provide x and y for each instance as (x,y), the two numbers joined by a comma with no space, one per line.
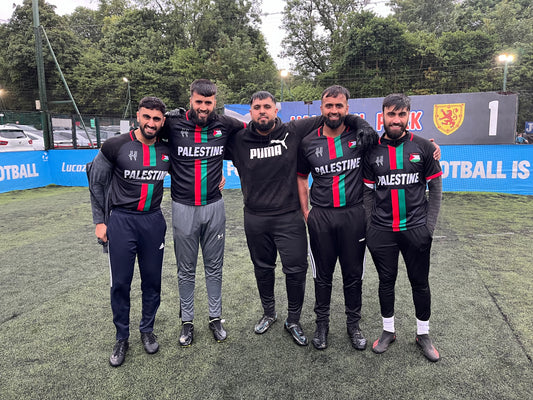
(262,95)
(203,87)
(334,91)
(153,103)
(398,101)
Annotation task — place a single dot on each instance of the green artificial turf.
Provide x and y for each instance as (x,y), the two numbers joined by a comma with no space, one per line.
(56,326)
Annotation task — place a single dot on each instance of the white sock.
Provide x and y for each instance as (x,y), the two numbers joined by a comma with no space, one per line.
(388,324)
(422,327)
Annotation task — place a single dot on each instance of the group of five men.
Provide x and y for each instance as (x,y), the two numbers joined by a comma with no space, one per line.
(274,159)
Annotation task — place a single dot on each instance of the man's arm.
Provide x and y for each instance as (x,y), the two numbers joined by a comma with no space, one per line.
(369,188)
(368,203)
(434,200)
(170,118)
(305,125)
(233,125)
(99,175)
(365,134)
(303,194)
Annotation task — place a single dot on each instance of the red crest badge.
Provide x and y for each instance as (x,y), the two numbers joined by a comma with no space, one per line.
(448,117)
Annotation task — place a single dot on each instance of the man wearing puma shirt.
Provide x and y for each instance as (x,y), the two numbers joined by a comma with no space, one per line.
(127,176)
(197,142)
(265,155)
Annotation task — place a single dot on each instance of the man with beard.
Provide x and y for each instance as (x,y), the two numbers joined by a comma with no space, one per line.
(126,177)
(265,155)
(197,144)
(333,154)
(402,218)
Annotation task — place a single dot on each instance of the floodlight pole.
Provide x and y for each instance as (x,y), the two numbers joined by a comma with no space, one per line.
(506,59)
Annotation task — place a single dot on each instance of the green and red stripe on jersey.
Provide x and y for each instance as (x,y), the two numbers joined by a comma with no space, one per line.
(399,213)
(147,189)
(399,207)
(200,170)
(338,185)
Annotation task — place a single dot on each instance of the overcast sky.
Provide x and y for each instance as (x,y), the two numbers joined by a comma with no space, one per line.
(272,10)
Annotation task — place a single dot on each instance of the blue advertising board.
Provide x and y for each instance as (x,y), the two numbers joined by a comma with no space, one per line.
(471,168)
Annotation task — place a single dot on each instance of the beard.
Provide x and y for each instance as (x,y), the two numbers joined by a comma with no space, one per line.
(264,126)
(201,121)
(334,124)
(147,136)
(396,133)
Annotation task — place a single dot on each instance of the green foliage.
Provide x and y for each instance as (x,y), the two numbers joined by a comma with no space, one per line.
(466,58)
(425,47)
(427,15)
(161,47)
(313,28)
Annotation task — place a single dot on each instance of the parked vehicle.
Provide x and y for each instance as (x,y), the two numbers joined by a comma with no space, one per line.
(14,139)
(37,141)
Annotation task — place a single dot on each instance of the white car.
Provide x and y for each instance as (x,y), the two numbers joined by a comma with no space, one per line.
(63,139)
(37,141)
(14,139)
(36,135)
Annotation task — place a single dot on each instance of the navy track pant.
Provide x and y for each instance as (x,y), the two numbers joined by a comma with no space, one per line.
(132,235)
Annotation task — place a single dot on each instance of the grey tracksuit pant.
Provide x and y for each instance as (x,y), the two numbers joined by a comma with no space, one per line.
(195,226)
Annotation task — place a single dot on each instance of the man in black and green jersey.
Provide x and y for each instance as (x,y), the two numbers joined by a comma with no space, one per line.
(403,219)
(336,223)
(197,141)
(126,186)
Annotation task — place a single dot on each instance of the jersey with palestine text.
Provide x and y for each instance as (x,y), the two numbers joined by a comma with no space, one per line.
(336,167)
(197,155)
(399,171)
(138,172)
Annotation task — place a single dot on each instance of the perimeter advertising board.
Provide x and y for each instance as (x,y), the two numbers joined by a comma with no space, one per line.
(474,168)
(464,118)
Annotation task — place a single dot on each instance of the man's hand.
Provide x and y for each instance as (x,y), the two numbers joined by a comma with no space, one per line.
(436,153)
(176,113)
(101,232)
(222,183)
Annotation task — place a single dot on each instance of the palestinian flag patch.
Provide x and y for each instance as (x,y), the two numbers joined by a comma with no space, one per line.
(414,157)
(164,157)
(217,133)
(352,144)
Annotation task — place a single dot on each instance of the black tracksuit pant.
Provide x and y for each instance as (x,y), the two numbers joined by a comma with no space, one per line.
(266,235)
(337,233)
(415,246)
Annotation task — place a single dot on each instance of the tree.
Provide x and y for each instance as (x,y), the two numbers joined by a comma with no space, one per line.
(376,59)
(429,15)
(313,29)
(19,69)
(467,60)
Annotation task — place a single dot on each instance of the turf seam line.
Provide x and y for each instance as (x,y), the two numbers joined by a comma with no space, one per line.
(515,334)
